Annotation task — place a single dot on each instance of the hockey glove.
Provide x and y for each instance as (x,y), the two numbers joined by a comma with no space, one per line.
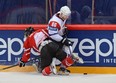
(21,64)
(66,42)
(65,32)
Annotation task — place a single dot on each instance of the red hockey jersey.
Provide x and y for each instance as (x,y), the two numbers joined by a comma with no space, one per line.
(33,41)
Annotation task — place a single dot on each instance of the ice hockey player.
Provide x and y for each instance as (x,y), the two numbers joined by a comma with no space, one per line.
(39,41)
(57,32)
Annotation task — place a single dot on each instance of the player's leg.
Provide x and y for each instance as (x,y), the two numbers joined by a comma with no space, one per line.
(47,54)
(46,60)
(66,61)
(76,58)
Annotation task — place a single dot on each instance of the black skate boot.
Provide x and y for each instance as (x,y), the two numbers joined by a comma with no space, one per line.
(63,71)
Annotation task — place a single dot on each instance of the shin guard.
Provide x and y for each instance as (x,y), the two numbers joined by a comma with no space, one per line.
(46,71)
(68,61)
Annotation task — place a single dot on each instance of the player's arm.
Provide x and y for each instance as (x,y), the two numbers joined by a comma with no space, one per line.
(53,29)
(26,54)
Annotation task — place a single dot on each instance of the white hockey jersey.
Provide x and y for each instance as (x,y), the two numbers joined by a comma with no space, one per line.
(56,27)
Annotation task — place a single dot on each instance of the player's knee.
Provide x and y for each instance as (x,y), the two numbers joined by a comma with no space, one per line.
(46,71)
(68,61)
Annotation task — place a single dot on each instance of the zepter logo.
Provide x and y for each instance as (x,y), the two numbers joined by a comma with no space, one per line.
(7,46)
(95,48)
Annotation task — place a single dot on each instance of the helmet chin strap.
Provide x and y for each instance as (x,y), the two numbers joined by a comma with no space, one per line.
(62,16)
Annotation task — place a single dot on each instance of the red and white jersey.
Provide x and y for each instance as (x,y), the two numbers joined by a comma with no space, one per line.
(33,41)
(56,27)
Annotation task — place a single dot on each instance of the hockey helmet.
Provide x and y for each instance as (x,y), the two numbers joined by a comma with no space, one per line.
(28,31)
(65,10)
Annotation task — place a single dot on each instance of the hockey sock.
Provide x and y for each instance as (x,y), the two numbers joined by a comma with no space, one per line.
(68,61)
(47,71)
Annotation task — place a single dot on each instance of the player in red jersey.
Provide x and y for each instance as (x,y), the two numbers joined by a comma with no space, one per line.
(39,40)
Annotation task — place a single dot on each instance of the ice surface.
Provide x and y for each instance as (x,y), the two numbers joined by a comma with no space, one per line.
(33,77)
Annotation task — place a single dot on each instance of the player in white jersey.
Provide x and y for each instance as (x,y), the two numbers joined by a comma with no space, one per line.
(57,30)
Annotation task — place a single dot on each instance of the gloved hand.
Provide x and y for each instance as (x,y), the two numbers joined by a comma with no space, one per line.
(21,63)
(65,32)
(66,42)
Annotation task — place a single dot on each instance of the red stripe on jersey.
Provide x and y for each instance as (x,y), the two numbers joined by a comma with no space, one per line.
(45,31)
(54,24)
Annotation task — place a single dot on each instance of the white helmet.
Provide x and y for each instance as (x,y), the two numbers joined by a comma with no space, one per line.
(65,10)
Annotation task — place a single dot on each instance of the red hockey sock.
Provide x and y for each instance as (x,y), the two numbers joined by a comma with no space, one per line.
(68,61)
(46,71)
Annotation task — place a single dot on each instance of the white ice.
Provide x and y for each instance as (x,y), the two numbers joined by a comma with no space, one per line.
(33,77)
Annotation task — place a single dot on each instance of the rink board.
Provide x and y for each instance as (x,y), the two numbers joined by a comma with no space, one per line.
(96,44)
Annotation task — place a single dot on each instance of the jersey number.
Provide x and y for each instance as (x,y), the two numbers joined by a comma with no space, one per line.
(54,24)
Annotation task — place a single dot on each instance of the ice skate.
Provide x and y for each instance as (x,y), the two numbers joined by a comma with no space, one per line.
(37,67)
(63,71)
(53,67)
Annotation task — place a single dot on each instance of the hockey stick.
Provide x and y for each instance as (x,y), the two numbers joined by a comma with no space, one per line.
(74,56)
(31,60)
(9,67)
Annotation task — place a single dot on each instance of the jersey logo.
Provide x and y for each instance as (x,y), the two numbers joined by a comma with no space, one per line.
(53,29)
(54,24)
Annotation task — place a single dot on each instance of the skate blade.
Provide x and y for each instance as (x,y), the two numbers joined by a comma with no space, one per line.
(63,73)
(54,70)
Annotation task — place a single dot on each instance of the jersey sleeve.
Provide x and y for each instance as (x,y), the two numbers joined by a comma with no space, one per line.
(27,49)
(53,28)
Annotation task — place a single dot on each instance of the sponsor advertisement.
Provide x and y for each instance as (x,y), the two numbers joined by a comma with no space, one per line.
(11,46)
(97,48)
